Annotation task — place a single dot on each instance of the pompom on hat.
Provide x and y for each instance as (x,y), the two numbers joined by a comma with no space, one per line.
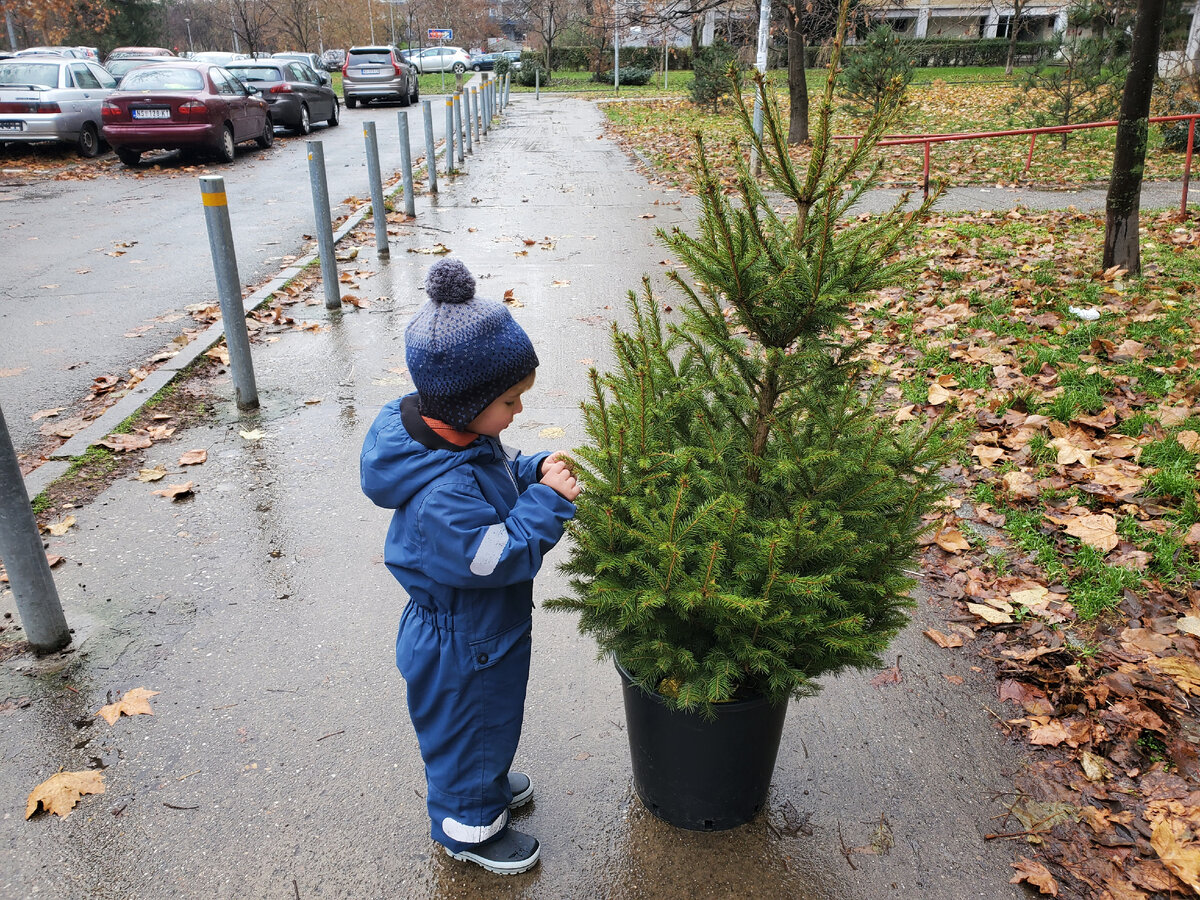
(463,351)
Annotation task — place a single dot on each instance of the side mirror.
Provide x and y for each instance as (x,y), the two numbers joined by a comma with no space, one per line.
(324,77)
(252,90)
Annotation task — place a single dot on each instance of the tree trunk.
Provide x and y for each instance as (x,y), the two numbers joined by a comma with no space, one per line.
(1013,27)
(1125,187)
(797,80)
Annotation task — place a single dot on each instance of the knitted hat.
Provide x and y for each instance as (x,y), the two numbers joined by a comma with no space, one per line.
(463,351)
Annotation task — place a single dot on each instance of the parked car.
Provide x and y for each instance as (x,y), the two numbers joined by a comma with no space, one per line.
(119,68)
(219,57)
(333,60)
(126,52)
(185,106)
(53,98)
(441,59)
(297,95)
(312,60)
(72,52)
(486,62)
(378,73)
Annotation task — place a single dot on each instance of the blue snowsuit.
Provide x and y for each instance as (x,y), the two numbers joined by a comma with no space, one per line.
(470,529)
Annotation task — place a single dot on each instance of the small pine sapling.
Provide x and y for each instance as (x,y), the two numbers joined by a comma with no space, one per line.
(749,514)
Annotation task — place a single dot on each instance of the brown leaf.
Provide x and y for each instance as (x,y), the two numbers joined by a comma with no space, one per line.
(945,641)
(1183,859)
(1049,734)
(58,529)
(46,413)
(125,443)
(951,540)
(1099,531)
(135,703)
(175,491)
(988,614)
(155,474)
(194,458)
(1036,874)
(59,793)
(938,394)
(987,456)
(890,675)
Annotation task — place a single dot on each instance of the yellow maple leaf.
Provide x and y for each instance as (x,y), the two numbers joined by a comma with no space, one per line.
(59,793)
(1182,857)
(135,703)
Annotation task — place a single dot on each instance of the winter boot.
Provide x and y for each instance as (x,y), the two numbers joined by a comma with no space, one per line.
(508,853)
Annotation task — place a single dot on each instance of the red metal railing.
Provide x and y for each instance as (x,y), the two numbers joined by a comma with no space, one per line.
(900,140)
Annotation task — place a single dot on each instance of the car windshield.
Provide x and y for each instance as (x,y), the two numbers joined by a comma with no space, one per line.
(32,74)
(172,78)
(370,57)
(250,74)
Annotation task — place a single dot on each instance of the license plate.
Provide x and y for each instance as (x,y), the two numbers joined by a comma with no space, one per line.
(152,114)
(370,71)
(12,126)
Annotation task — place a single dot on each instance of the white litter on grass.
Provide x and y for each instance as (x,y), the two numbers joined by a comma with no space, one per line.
(1088,315)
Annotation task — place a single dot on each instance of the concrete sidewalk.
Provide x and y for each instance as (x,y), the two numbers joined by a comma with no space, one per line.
(280,762)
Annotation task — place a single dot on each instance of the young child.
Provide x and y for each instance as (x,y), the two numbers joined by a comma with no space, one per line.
(473,521)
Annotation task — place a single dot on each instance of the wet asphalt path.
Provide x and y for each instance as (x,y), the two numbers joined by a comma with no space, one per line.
(97,272)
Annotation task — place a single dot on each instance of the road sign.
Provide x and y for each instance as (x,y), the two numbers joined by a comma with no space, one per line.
(441,34)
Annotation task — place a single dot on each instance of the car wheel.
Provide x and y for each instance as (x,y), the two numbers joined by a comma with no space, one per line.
(89,141)
(129,157)
(459,68)
(225,150)
(267,139)
(304,126)
(415,97)
(477,68)
(351,102)
(336,114)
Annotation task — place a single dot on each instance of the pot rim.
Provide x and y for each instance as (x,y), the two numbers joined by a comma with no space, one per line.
(731,706)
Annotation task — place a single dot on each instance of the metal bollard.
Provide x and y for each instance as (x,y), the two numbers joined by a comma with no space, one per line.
(462,116)
(410,206)
(537,84)
(378,209)
(24,559)
(507,88)
(458,127)
(475,112)
(324,219)
(449,135)
(486,112)
(229,289)
(430,159)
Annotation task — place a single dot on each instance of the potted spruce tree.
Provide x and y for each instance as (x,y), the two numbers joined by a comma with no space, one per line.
(748,512)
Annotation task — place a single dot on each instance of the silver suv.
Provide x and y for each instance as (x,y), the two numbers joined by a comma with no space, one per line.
(378,73)
(53,98)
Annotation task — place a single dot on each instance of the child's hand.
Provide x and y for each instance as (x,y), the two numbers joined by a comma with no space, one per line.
(556,456)
(556,475)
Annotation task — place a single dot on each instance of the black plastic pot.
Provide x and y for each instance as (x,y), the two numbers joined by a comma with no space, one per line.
(697,773)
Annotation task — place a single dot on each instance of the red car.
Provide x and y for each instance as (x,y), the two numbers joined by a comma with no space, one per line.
(184,106)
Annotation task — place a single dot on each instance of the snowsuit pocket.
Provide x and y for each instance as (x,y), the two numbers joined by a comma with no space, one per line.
(486,652)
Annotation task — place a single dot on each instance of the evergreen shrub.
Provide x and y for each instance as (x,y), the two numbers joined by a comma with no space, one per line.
(628,75)
(711,83)
(749,514)
(882,66)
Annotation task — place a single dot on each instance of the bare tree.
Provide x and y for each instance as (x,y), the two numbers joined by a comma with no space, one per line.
(50,21)
(1121,246)
(295,21)
(548,19)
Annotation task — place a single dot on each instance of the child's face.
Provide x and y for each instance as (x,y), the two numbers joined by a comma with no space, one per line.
(500,412)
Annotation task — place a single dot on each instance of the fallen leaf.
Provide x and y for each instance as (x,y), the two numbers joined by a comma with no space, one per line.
(255,435)
(58,529)
(9,373)
(890,675)
(46,413)
(560,283)
(945,641)
(194,458)
(175,491)
(987,456)
(1099,531)
(1049,734)
(135,702)
(938,394)
(437,249)
(951,540)
(583,754)
(155,474)
(1185,672)
(59,793)
(1183,859)
(552,432)
(988,614)
(126,443)
(1036,874)
(1094,767)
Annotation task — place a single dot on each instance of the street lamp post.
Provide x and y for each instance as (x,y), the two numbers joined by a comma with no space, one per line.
(188,22)
(320,36)
(371,16)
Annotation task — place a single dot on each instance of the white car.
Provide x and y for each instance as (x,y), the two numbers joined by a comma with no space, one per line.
(441,59)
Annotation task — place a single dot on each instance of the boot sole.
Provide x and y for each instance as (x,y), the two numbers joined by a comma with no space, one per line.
(497,868)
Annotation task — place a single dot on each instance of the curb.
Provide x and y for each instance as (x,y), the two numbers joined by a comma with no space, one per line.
(59,462)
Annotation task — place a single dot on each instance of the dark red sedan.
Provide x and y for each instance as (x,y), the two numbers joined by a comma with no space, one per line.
(184,106)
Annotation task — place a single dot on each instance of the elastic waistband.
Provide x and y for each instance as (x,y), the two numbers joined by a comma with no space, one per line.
(443,621)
